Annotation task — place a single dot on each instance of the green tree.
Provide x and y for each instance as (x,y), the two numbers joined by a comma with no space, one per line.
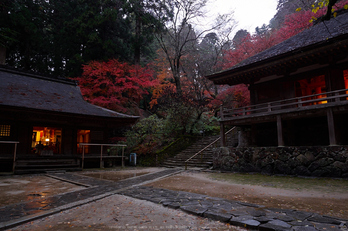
(26,40)
(58,36)
(86,30)
(144,22)
(147,135)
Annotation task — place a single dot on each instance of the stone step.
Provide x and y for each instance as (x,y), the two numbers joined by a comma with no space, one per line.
(43,164)
(202,160)
(44,170)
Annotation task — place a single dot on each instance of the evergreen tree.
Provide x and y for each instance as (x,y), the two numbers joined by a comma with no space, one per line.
(58,36)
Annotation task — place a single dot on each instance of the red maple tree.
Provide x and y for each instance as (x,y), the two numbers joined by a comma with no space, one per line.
(293,24)
(115,85)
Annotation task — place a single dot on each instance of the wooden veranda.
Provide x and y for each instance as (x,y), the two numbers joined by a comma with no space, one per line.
(324,104)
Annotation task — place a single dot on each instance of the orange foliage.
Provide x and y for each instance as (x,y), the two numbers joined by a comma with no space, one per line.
(164,75)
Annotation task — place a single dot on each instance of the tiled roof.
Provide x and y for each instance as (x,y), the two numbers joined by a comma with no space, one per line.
(18,89)
(321,34)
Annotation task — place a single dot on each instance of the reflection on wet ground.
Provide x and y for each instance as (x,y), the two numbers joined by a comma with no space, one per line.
(16,189)
(114,175)
(39,187)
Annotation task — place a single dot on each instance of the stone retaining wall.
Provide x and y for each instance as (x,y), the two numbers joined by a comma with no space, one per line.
(326,161)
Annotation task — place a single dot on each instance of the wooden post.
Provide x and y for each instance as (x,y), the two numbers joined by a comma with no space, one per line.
(14,157)
(101,157)
(337,98)
(280,131)
(83,156)
(299,103)
(122,157)
(331,127)
(221,112)
(222,135)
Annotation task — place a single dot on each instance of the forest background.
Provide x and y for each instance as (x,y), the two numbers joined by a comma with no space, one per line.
(147,57)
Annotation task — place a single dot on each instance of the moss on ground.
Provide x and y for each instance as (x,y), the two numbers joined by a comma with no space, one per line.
(285,182)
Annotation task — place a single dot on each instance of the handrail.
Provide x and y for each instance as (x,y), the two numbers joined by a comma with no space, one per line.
(206,147)
(101,152)
(327,97)
(14,152)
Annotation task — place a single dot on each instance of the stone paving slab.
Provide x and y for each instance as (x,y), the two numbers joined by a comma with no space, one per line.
(237,213)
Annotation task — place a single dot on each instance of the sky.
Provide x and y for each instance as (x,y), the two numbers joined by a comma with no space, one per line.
(248,13)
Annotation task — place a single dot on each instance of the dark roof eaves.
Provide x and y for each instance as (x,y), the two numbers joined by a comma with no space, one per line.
(266,56)
(243,67)
(70,114)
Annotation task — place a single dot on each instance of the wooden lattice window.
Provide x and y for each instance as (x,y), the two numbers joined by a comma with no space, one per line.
(5,130)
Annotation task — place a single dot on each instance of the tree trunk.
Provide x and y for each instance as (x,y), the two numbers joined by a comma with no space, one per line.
(2,55)
(176,75)
(137,40)
(196,121)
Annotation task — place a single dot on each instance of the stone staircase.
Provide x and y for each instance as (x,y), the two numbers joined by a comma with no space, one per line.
(202,160)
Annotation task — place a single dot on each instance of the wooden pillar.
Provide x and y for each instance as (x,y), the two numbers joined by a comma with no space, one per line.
(123,158)
(101,164)
(280,131)
(222,135)
(14,157)
(83,157)
(331,127)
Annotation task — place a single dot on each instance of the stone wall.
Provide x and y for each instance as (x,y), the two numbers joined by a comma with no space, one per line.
(325,161)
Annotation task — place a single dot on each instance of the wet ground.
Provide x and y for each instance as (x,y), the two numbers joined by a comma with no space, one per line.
(119,212)
(326,197)
(100,212)
(22,188)
(103,210)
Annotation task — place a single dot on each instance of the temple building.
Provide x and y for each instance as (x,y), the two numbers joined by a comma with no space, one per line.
(298,90)
(45,118)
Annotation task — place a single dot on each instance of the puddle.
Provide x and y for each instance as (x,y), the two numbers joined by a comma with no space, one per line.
(17,189)
(114,175)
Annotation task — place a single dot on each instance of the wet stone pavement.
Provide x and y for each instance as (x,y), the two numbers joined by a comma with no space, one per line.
(236,213)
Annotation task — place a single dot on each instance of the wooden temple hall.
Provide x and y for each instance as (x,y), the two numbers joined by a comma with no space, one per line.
(298,90)
(46,124)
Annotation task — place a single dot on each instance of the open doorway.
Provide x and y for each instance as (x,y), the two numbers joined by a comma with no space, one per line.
(313,88)
(46,141)
(83,136)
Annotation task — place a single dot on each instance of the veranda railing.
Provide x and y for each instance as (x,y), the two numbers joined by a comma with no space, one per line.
(287,104)
(101,152)
(14,152)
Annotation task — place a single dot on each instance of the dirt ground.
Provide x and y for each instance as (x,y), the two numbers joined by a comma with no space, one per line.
(324,198)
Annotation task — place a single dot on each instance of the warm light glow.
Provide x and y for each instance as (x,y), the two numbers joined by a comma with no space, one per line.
(46,140)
